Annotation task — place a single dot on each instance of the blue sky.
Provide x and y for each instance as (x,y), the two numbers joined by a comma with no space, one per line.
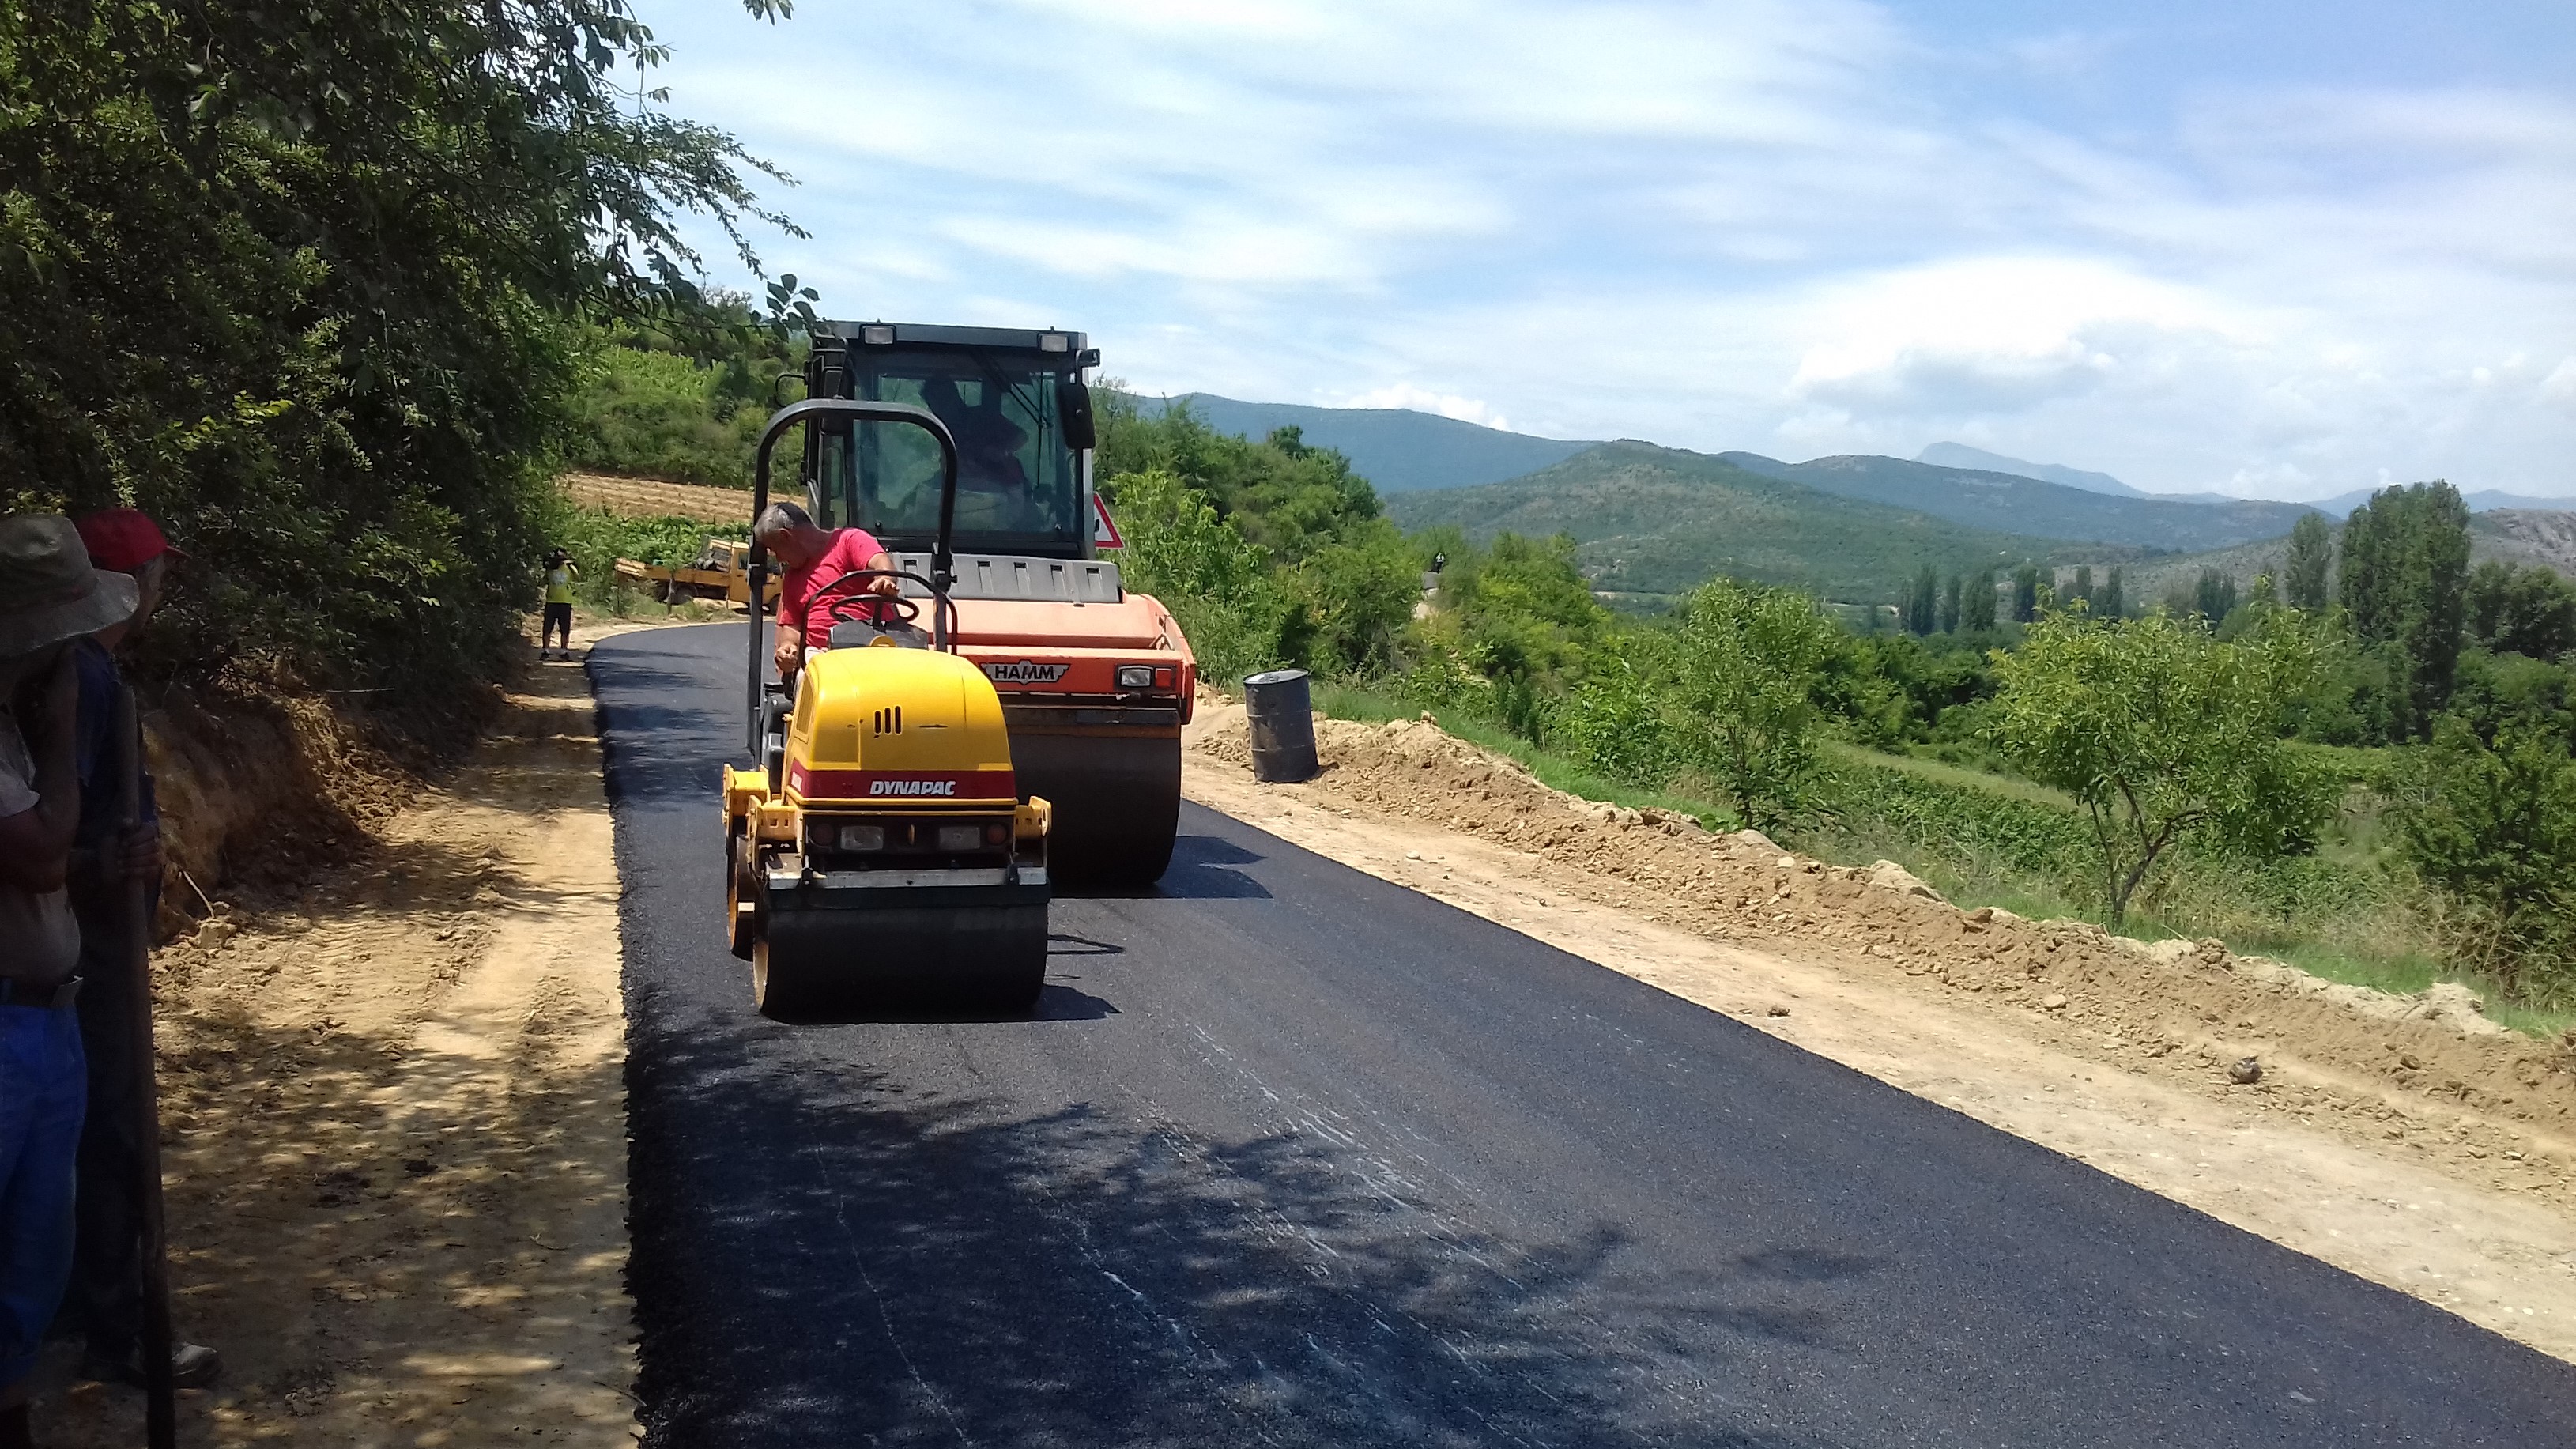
(2280,249)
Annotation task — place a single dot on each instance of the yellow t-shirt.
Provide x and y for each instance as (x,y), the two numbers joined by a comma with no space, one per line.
(559,583)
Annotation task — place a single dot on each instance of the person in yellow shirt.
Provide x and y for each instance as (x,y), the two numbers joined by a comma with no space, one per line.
(560,577)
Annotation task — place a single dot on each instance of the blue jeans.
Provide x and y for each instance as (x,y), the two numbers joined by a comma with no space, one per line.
(43,1088)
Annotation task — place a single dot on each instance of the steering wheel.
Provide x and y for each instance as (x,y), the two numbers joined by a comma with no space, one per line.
(877,607)
(901,609)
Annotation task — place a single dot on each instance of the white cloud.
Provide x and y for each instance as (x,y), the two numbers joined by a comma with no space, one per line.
(1765,224)
(1447,405)
(2560,386)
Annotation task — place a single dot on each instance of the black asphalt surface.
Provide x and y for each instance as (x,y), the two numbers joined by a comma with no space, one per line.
(1293,1156)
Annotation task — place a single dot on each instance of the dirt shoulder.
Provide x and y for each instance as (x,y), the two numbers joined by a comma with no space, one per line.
(394,1124)
(2403,1139)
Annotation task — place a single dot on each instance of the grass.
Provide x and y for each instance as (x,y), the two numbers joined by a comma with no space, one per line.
(1985,840)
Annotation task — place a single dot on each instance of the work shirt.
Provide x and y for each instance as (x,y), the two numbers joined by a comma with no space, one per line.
(38,937)
(559,583)
(95,749)
(851,549)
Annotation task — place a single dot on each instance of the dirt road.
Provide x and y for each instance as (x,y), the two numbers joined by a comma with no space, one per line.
(2430,1155)
(394,1127)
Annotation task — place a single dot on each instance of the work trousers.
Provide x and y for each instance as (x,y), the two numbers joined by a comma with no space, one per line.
(42,1088)
(106,1294)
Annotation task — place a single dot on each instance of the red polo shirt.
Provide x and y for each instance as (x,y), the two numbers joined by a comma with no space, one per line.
(851,549)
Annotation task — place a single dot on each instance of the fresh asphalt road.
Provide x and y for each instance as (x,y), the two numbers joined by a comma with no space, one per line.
(1290,1155)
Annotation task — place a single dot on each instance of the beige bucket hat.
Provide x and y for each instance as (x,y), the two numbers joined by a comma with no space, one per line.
(48,591)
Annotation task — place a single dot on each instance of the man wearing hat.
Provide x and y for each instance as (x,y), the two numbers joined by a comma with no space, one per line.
(49,597)
(106,1295)
(560,577)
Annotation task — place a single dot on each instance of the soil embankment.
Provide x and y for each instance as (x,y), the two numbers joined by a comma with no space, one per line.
(393,1109)
(2405,1139)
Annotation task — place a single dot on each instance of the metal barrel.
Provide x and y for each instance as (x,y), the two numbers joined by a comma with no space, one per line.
(1283,727)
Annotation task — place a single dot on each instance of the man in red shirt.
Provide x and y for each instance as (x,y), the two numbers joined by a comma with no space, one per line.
(812,558)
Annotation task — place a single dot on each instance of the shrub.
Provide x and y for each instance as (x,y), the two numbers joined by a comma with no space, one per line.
(1215,583)
(2162,732)
(2493,827)
(1747,666)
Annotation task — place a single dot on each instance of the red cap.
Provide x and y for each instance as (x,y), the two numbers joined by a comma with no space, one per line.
(122,539)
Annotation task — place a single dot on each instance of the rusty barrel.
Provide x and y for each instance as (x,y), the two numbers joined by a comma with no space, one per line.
(1283,726)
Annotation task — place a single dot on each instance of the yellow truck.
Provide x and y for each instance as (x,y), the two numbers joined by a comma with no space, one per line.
(722,571)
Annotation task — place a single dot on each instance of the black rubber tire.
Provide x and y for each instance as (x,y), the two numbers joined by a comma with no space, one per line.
(742,927)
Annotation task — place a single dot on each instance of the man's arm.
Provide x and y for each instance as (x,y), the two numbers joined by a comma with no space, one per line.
(36,843)
(787,650)
(885,582)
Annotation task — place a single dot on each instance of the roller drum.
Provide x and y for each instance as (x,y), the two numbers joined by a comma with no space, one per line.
(840,963)
(1117,801)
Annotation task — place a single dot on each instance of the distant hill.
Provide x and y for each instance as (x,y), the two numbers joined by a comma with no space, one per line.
(2485,500)
(1660,520)
(2512,535)
(2010,503)
(1960,455)
(1397,449)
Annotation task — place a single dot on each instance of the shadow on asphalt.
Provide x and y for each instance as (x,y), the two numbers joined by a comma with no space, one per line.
(940,1269)
(1201,870)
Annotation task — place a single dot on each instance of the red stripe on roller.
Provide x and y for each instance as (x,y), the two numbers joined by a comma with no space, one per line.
(902,786)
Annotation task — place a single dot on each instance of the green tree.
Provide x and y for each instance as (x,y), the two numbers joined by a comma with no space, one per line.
(1283,494)
(2310,560)
(1977,605)
(1216,583)
(2113,603)
(1615,724)
(2214,597)
(2493,827)
(2405,586)
(1923,606)
(2525,611)
(1749,663)
(2025,594)
(300,280)
(1951,604)
(2163,733)
(2083,590)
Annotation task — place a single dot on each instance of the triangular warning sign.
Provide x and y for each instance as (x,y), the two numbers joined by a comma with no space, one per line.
(1103,532)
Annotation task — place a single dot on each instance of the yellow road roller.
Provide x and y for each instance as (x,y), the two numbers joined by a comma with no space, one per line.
(879,857)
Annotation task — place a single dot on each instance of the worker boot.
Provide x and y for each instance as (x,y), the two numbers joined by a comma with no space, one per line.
(192,1366)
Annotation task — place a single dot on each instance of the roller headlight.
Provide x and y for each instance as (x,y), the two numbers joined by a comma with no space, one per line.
(1135,676)
(953,838)
(863,837)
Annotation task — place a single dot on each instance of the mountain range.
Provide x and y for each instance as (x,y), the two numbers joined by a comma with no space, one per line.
(2011,503)
(1396,449)
(1659,520)
(1960,455)
(1401,450)
(1649,519)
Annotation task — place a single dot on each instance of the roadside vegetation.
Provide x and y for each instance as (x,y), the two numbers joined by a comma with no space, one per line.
(2368,769)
